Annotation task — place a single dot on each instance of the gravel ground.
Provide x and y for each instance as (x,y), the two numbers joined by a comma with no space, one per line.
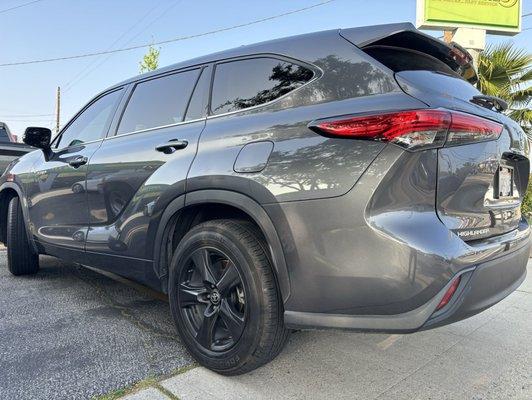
(71,333)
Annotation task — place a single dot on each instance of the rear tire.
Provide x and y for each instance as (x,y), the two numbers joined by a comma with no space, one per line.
(21,258)
(246,319)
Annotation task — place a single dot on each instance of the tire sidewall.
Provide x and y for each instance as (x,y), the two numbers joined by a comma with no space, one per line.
(228,243)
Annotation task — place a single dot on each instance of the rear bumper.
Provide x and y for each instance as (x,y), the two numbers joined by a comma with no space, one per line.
(378,258)
(488,284)
(481,286)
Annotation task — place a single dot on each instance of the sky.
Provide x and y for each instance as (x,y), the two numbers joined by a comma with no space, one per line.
(55,28)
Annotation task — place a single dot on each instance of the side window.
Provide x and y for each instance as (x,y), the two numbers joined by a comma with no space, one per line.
(4,137)
(198,103)
(247,83)
(91,123)
(158,102)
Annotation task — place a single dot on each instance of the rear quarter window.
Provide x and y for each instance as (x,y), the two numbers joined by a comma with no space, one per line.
(247,83)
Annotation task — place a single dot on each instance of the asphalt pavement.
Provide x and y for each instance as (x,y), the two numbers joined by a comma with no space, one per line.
(70,333)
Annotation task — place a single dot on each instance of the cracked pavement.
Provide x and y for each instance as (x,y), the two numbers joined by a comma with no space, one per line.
(69,332)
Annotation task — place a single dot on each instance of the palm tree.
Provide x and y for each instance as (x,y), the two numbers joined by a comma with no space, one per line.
(506,72)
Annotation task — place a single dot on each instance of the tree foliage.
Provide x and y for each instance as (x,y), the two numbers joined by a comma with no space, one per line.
(505,71)
(150,61)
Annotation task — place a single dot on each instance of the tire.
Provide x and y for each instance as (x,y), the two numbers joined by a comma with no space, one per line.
(77,188)
(243,308)
(21,258)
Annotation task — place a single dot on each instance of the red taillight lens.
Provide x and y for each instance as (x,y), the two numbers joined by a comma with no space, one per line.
(449,294)
(413,129)
(467,128)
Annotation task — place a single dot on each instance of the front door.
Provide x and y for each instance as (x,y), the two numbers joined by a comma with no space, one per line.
(57,198)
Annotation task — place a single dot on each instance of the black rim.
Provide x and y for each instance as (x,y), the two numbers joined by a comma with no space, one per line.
(211,299)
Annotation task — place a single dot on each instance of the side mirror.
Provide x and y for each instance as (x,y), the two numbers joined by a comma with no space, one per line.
(38,137)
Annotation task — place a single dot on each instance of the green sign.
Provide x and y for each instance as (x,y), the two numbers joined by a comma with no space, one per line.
(496,16)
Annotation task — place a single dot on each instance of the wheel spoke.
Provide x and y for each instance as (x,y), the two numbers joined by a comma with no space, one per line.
(206,331)
(234,322)
(190,296)
(229,279)
(202,261)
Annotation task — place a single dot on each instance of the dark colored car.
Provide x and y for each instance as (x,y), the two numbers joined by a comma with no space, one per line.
(9,148)
(351,178)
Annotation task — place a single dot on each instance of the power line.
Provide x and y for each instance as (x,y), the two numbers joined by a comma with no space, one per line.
(19,6)
(25,115)
(180,38)
(527,15)
(97,63)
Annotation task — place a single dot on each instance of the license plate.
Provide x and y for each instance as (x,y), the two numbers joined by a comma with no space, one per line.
(505,182)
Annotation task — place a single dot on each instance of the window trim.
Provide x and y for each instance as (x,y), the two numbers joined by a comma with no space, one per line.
(81,111)
(132,91)
(317,73)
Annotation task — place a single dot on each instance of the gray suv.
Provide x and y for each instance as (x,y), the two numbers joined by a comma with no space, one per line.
(350,179)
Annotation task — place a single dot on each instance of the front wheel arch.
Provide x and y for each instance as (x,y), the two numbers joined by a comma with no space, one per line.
(8,190)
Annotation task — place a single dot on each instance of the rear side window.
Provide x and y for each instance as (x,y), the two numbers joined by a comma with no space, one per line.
(158,102)
(198,103)
(247,83)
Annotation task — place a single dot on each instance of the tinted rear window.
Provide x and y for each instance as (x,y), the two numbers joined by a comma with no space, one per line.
(158,102)
(401,59)
(247,83)
(4,137)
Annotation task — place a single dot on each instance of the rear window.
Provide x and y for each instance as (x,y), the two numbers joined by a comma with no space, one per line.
(252,82)
(158,102)
(400,59)
(4,137)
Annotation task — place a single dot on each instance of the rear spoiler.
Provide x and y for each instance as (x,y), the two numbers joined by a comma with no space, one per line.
(407,36)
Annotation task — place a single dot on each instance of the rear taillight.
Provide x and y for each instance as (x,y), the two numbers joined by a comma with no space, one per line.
(413,129)
(449,294)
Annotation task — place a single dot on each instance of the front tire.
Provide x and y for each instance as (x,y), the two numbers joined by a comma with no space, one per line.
(224,297)
(21,258)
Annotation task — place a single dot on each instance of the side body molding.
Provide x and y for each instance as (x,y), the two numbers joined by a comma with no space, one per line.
(238,200)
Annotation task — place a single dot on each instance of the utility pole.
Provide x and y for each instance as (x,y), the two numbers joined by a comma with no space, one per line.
(57,110)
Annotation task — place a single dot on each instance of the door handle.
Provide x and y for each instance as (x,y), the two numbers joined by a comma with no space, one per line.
(171,146)
(78,161)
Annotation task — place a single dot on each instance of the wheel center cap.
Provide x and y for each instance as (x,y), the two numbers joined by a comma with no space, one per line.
(215,297)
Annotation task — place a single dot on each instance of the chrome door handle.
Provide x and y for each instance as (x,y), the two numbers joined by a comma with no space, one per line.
(171,146)
(78,161)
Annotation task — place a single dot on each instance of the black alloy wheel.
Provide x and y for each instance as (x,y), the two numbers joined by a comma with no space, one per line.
(211,297)
(224,296)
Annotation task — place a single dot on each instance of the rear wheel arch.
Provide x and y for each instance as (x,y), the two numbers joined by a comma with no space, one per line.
(182,214)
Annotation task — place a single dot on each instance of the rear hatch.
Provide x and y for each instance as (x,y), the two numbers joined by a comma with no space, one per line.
(480,184)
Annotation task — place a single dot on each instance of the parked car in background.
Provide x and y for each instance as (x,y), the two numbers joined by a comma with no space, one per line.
(350,179)
(9,148)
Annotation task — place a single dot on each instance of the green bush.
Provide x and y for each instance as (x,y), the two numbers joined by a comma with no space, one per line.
(526,207)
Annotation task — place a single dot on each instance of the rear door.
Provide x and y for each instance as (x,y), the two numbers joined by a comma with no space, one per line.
(144,160)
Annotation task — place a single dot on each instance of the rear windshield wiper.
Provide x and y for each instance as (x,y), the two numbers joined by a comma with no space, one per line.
(490,102)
